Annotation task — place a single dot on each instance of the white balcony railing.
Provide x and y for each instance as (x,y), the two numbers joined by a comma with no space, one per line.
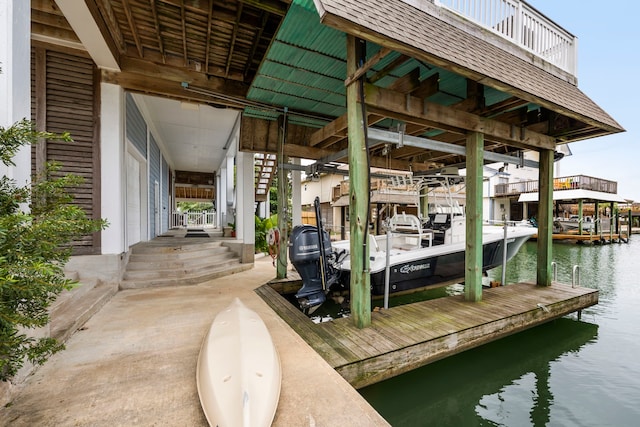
(523,25)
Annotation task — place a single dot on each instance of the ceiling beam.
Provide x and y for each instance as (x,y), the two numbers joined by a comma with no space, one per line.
(156,23)
(91,33)
(443,117)
(176,74)
(383,136)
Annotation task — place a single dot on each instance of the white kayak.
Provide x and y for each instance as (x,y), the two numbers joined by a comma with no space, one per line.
(238,371)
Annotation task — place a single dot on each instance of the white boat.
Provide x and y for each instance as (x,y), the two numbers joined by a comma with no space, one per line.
(238,371)
(422,251)
(573,223)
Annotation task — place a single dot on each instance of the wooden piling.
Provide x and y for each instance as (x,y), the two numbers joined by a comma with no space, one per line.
(545,218)
(358,194)
(473,254)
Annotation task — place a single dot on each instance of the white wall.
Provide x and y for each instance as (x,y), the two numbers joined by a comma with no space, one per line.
(322,188)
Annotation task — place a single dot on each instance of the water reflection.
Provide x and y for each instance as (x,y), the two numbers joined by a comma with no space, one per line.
(489,385)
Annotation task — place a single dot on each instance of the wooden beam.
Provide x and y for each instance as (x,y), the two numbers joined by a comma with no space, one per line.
(360,288)
(208,41)
(110,32)
(254,45)
(367,66)
(473,209)
(133,67)
(407,83)
(156,24)
(448,118)
(429,86)
(132,26)
(283,184)
(275,7)
(545,218)
(389,68)
(183,21)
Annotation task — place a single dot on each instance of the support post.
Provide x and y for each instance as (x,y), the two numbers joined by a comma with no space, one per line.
(358,195)
(629,226)
(281,268)
(545,218)
(424,202)
(580,210)
(473,253)
(597,219)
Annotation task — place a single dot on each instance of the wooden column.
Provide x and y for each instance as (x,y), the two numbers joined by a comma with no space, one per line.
(597,224)
(473,253)
(358,196)
(545,218)
(580,211)
(281,267)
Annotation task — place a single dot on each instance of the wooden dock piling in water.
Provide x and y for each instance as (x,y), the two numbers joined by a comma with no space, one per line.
(406,337)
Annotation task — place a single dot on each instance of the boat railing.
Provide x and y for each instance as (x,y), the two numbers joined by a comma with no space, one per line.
(407,233)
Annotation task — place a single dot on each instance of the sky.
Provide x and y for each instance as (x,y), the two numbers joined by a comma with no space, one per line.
(608,68)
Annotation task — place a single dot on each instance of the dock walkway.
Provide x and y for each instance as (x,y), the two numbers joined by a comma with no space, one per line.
(406,337)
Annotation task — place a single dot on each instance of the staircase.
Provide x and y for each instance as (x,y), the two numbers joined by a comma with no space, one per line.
(176,260)
(71,310)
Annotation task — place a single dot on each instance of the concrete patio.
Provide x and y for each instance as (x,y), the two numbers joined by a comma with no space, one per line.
(134,363)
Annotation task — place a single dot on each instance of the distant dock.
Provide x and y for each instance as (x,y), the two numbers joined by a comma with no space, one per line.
(589,239)
(406,337)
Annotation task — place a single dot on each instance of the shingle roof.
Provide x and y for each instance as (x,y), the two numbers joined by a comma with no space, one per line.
(402,27)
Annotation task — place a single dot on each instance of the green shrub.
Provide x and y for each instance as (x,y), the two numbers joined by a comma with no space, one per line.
(37,225)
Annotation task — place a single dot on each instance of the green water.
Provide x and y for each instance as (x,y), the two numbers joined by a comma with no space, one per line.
(568,372)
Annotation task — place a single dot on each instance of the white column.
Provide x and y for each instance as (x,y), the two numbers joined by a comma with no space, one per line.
(15,79)
(230,190)
(112,161)
(223,195)
(296,195)
(219,206)
(245,192)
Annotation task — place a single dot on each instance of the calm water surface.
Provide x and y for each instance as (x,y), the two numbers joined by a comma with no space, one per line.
(568,372)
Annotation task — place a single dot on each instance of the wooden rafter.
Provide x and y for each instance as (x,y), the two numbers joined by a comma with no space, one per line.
(156,23)
(184,33)
(208,41)
(132,26)
(255,44)
(389,68)
(232,45)
(367,65)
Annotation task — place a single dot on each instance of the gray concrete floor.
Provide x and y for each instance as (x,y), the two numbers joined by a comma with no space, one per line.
(134,363)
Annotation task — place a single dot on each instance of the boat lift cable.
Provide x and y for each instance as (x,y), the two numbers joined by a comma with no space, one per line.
(365,239)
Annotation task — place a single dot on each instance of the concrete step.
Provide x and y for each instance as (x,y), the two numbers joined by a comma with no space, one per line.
(74,308)
(166,263)
(174,245)
(186,271)
(190,279)
(179,255)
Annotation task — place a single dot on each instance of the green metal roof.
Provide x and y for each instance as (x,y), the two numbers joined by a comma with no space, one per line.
(305,68)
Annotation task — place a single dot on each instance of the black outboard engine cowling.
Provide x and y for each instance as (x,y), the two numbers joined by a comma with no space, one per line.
(305,255)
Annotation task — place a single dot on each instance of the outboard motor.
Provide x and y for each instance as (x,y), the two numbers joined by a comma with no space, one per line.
(315,261)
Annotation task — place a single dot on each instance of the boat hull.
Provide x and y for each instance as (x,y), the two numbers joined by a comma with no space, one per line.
(444,268)
(238,372)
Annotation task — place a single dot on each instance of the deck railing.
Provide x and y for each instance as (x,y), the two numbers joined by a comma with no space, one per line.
(203,219)
(515,20)
(575,182)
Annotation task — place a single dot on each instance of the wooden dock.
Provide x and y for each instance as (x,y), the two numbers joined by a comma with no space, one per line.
(406,337)
(588,239)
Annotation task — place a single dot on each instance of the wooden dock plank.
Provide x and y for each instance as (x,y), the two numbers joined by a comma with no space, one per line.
(406,337)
